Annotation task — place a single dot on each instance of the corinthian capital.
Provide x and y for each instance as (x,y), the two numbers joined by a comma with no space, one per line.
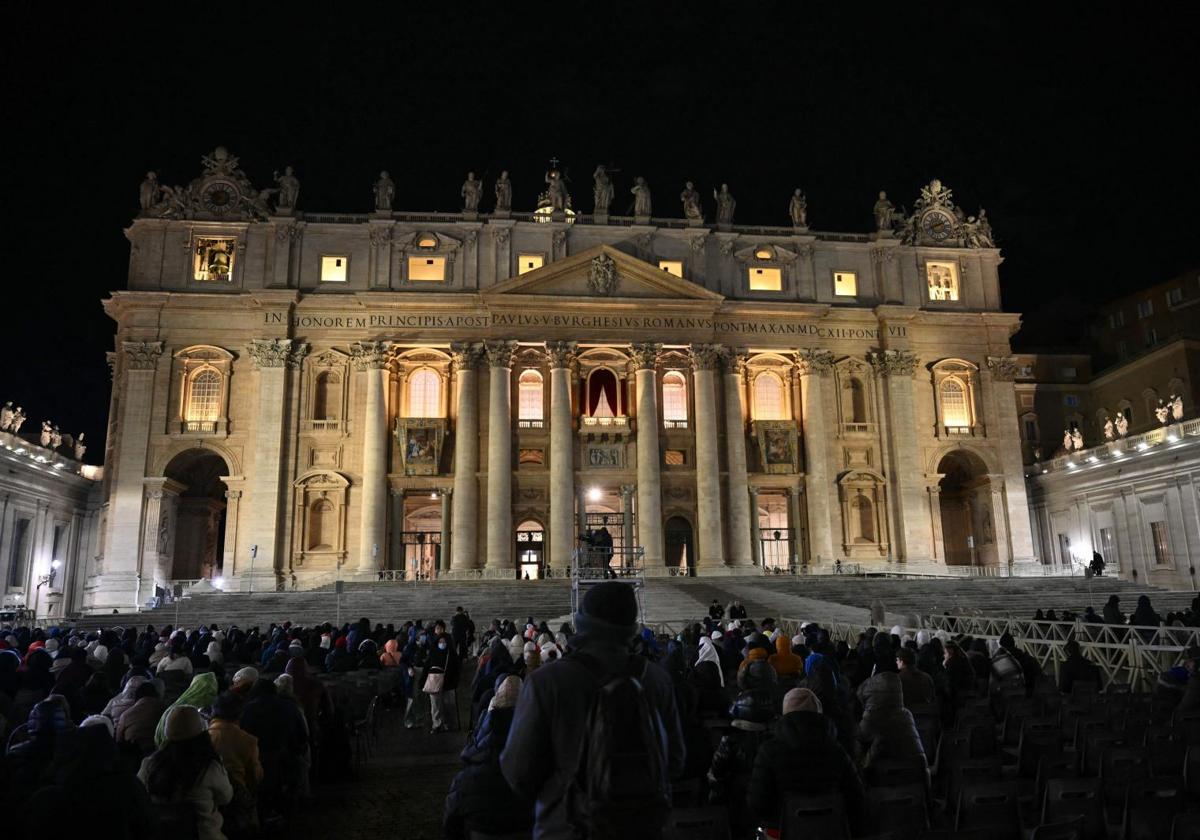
(733,361)
(464,355)
(705,356)
(811,361)
(561,353)
(141,355)
(644,355)
(270,352)
(500,353)
(1003,368)
(369,355)
(894,362)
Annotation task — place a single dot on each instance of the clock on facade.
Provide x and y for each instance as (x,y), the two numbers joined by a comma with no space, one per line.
(937,225)
(220,196)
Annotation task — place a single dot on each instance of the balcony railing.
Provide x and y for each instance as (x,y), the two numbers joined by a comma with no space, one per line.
(604,422)
(858,428)
(959,431)
(531,424)
(323,425)
(675,424)
(199,427)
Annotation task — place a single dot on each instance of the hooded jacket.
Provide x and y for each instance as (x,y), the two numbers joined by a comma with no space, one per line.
(785,663)
(802,757)
(886,725)
(480,799)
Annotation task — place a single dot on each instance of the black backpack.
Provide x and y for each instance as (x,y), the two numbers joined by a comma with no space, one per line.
(620,786)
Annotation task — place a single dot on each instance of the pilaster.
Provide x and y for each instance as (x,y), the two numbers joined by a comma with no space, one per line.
(465,513)
(744,549)
(370,359)
(813,367)
(562,455)
(499,478)
(649,466)
(711,548)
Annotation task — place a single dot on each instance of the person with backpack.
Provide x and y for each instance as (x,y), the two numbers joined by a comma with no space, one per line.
(596,739)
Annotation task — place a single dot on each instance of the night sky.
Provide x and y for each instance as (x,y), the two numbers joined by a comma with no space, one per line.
(1074,128)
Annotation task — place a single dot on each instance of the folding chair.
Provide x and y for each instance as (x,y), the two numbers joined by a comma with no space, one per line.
(1066,830)
(993,807)
(1068,798)
(711,823)
(1151,806)
(814,816)
(900,810)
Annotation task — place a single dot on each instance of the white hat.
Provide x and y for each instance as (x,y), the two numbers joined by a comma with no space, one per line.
(716,634)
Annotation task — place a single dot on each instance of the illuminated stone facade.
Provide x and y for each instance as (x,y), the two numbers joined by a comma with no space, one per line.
(300,396)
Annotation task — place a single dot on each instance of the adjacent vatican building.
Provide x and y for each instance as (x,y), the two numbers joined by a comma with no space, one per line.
(303,396)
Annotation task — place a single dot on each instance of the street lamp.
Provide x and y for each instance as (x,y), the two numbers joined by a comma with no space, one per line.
(253,554)
(46,580)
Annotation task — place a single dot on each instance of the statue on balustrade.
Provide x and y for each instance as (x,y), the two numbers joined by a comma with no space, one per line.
(1122,425)
(885,212)
(725,205)
(289,188)
(385,192)
(6,416)
(18,420)
(1077,439)
(503,192)
(798,209)
(1163,413)
(1108,428)
(602,190)
(641,197)
(691,203)
(471,189)
(44,437)
(1176,408)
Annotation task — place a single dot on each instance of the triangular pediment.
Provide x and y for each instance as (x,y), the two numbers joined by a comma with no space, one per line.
(602,272)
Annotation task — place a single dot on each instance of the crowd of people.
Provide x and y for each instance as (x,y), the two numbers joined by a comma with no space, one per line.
(1143,615)
(599,722)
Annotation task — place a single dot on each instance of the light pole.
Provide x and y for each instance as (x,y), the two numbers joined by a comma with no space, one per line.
(46,580)
(253,554)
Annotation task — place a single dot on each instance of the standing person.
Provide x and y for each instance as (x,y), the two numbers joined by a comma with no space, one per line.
(187,770)
(441,682)
(459,630)
(621,706)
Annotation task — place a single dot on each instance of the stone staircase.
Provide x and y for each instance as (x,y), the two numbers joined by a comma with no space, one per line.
(667,600)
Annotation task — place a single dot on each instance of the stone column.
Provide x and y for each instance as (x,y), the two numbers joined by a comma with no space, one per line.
(627,491)
(158,542)
(934,491)
(271,359)
(813,366)
(744,549)
(794,523)
(562,455)
(908,490)
(465,512)
(755,529)
(119,584)
(396,535)
(581,508)
(447,494)
(499,479)
(233,503)
(998,379)
(710,546)
(370,358)
(649,460)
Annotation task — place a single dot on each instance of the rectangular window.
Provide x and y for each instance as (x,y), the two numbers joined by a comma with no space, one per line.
(1151,337)
(333,269)
(1108,548)
(1122,349)
(675,458)
(766,280)
(845,283)
(1162,545)
(1117,319)
(1145,308)
(1031,430)
(19,552)
(212,259)
(1174,296)
(672,267)
(529,262)
(428,269)
(1071,400)
(942,278)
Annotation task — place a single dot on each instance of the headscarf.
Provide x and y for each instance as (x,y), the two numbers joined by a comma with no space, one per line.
(708,653)
(516,648)
(244,679)
(99,720)
(285,685)
(506,695)
(200,694)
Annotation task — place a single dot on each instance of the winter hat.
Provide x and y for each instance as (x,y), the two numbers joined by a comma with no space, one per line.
(286,685)
(798,641)
(548,649)
(610,604)
(100,654)
(506,695)
(245,677)
(51,646)
(801,700)
(922,638)
(530,647)
(99,720)
(183,722)
(716,635)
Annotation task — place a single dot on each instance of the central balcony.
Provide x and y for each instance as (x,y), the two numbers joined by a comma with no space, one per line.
(605,428)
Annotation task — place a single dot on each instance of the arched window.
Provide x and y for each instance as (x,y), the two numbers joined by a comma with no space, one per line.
(602,399)
(956,409)
(320,526)
(858,401)
(425,394)
(327,397)
(204,397)
(768,397)
(675,413)
(529,395)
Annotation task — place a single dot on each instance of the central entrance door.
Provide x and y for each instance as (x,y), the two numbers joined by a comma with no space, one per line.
(531,541)
(421,552)
(677,540)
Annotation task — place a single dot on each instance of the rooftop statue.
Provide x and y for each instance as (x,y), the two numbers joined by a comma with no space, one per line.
(885,212)
(289,188)
(726,204)
(6,416)
(503,192)
(384,191)
(1109,432)
(556,189)
(1176,408)
(691,203)
(148,191)
(602,191)
(798,209)
(1122,425)
(641,197)
(471,189)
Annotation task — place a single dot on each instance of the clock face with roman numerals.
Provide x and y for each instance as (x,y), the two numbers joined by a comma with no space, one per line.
(937,225)
(220,196)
